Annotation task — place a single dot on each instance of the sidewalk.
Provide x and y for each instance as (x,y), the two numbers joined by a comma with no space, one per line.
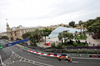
(51,40)
(41,44)
(92,41)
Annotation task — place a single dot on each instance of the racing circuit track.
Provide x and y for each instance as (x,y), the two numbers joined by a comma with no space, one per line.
(17,56)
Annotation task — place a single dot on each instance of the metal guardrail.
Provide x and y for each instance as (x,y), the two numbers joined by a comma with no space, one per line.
(76,54)
(82,51)
(89,47)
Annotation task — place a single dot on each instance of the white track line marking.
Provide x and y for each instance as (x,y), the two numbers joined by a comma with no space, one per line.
(24,59)
(33,62)
(21,59)
(28,60)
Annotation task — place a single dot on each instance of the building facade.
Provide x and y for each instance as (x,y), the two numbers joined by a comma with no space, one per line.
(17,32)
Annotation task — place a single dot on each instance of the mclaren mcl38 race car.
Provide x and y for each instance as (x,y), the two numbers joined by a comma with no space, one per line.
(65,58)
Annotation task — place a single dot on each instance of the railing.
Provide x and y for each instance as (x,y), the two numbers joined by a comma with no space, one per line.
(75,51)
(89,47)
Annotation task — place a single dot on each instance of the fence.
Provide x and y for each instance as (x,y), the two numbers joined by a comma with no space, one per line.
(76,51)
(71,53)
(89,47)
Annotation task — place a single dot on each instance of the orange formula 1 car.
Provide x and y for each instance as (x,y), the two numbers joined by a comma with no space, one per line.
(65,58)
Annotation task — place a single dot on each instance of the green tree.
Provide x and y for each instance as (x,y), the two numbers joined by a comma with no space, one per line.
(46,32)
(80,24)
(84,26)
(75,33)
(98,18)
(26,35)
(60,36)
(95,27)
(33,36)
(60,46)
(37,33)
(70,36)
(4,37)
(65,35)
(72,23)
(90,22)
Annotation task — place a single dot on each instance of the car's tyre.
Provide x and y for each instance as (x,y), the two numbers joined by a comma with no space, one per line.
(68,60)
(59,59)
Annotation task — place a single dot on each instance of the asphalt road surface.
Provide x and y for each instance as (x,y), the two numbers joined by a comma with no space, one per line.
(17,56)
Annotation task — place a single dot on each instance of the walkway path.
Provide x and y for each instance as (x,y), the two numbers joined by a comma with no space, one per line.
(92,41)
(51,40)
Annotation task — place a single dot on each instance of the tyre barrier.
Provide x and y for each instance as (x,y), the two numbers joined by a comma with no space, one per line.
(96,56)
(47,54)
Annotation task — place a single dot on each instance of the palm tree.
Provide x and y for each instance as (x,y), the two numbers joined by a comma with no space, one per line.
(80,24)
(61,36)
(46,32)
(65,35)
(84,26)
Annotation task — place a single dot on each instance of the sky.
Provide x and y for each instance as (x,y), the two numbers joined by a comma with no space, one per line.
(32,13)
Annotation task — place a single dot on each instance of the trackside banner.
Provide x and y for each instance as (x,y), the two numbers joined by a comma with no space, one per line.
(17,42)
(10,44)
